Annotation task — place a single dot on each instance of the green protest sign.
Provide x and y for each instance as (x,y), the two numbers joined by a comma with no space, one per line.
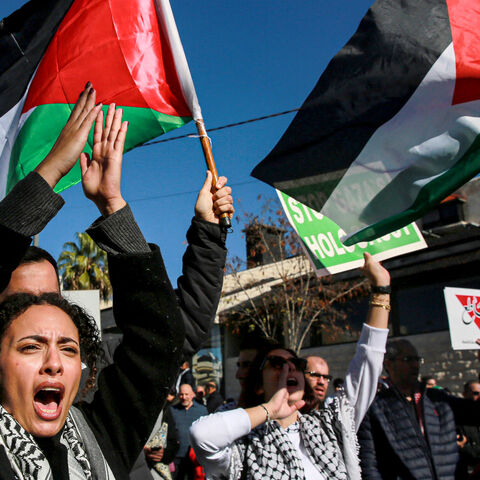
(321,240)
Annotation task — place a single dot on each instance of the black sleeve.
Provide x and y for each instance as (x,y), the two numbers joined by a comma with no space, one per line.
(368,454)
(200,286)
(14,246)
(24,212)
(119,233)
(466,412)
(172,438)
(471,451)
(132,391)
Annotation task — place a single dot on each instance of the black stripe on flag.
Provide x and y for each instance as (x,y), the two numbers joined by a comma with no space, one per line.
(362,88)
(24,37)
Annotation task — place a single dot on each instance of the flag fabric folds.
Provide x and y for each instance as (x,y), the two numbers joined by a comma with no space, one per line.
(131,53)
(392,126)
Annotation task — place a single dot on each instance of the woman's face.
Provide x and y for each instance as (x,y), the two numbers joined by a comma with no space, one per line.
(40,369)
(271,374)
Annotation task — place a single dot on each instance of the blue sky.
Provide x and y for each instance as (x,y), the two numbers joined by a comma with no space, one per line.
(248,58)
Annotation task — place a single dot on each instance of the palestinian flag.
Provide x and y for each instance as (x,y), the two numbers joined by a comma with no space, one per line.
(392,126)
(49,49)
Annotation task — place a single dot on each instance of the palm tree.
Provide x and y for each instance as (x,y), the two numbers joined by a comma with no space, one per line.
(83,266)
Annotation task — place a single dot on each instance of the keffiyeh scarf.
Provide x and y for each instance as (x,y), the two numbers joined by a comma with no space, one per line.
(29,462)
(328,436)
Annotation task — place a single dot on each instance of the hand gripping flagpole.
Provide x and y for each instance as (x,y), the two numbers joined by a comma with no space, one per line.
(167,24)
(207,152)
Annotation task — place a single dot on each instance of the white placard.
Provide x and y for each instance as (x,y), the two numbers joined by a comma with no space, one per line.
(89,300)
(463,310)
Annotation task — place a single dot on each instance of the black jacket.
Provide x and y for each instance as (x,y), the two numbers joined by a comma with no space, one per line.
(392,445)
(470,453)
(133,389)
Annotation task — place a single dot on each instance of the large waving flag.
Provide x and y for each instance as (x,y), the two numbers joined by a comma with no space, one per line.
(392,126)
(129,50)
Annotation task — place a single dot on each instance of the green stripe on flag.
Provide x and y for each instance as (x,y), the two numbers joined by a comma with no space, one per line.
(431,194)
(42,127)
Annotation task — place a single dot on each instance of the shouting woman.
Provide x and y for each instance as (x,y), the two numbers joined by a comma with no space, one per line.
(270,439)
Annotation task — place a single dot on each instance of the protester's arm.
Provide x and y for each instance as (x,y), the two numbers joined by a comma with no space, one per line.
(132,391)
(368,454)
(24,212)
(116,231)
(31,204)
(377,276)
(200,285)
(72,139)
(201,282)
(212,437)
(366,366)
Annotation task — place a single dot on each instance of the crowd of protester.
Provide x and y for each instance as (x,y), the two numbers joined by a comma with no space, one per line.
(146,416)
(413,429)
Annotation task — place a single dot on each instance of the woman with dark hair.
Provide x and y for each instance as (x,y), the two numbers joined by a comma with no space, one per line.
(44,339)
(271,439)
(43,342)
(254,393)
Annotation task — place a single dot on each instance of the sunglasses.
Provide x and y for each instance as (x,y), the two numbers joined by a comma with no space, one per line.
(277,363)
(319,375)
(410,358)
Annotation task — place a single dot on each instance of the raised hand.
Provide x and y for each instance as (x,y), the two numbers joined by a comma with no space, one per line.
(380,302)
(102,173)
(210,206)
(375,273)
(280,405)
(72,138)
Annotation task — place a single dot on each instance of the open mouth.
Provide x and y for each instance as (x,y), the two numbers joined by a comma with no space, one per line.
(47,401)
(292,382)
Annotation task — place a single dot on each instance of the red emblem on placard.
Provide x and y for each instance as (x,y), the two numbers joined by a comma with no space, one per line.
(471,309)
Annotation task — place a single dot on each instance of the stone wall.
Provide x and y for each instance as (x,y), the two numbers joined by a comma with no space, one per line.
(451,368)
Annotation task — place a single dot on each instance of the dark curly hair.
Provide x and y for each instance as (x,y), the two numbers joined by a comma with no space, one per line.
(90,344)
(254,380)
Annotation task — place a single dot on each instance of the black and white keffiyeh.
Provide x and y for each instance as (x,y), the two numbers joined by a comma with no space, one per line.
(29,462)
(328,436)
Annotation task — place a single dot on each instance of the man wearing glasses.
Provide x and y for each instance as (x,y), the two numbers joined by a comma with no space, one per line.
(409,432)
(318,376)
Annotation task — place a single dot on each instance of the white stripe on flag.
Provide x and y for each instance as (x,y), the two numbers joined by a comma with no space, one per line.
(10,125)
(169,27)
(428,132)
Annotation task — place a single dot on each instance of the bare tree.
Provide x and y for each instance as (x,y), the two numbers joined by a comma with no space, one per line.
(279,293)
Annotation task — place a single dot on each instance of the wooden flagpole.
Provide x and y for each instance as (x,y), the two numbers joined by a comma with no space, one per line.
(207,152)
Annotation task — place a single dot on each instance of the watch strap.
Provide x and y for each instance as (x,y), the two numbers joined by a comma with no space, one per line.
(381,289)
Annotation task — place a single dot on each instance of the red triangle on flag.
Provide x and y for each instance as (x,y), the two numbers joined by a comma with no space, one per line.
(471,305)
(464,23)
(120,48)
